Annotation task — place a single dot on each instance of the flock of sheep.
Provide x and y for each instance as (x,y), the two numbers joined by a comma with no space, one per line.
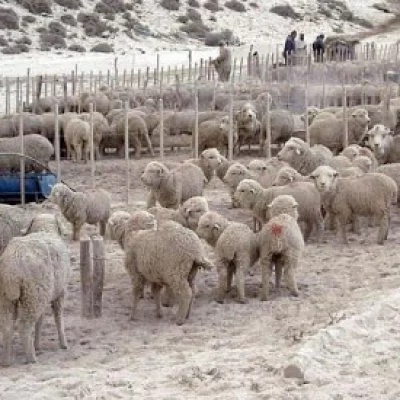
(293,197)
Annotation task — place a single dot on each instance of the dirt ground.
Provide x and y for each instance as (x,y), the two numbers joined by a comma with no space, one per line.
(224,351)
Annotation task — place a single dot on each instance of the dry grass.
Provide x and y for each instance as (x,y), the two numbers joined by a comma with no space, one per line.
(171,5)
(57,28)
(70,4)
(37,7)
(212,5)
(196,30)
(92,24)
(8,19)
(193,3)
(285,11)
(193,15)
(29,19)
(68,19)
(213,38)
(235,5)
(51,40)
(77,47)
(102,48)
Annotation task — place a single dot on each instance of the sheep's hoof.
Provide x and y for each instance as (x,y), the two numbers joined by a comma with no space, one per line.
(31,360)
(64,346)
(242,301)
(180,322)
(219,301)
(263,298)
(294,294)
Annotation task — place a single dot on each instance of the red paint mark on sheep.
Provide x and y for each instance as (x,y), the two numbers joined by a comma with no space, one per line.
(276,229)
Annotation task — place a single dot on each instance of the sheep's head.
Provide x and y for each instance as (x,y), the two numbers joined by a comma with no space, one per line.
(312,112)
(324,178)
(235,174)
(210,227)
(363,162)
(139,221)
(361,116)
(285,176)
(258,167)
(47,223)
(351,152)
(58,193)
(294,148)
(247,192)
(153,174)
(116,224)
(246,113)
(283,204)
(212,158)
(378,137)
(192,210)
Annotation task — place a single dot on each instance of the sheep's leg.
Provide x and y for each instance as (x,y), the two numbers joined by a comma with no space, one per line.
(156,290)
(383,229)
(223,282)
(290,278)
(230,273)
(278,273)
(266,270)
(137,144)
(76,230)
(355,225)
(151,200)
(38,330)
(103,227)
(78,151)
(239,277)
(27,328)
(86,152)
(183,292)
(255,225)
(138,287)
(149,144)
(342,221)
(68,150)
(8,330)
(307,230)
(97,152)
(58,312)
(168,298)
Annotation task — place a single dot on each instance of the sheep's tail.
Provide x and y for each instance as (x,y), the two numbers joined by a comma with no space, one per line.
(11,288)
(204,263)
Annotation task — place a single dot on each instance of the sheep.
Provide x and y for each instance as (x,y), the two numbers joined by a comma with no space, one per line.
(34,271)
(170,256)
(392,170)
(188,214)
(351,152)
(79,208)
(340,162)
(368,195)
(282,127)
(77,137)
(116,226)
(287,175)
(364,163)
(172,187)
(252,196)
(281,244)
(223,167)
(234,175)
(236,248)
(386,147)
(316,114)
(265,171)
(303,158)
(100,101)
(365,151)
(36,147)
(209,161)
(248,126)
(330,132)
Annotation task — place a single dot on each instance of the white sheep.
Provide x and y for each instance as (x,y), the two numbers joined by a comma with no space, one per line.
(77,138)
(79,208)
(34,271)
(281,244)
(344,198)
(236,248)
(385,145)
(170,255)
(209,161)
(172,187)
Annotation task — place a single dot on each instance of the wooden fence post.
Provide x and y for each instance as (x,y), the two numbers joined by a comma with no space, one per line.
(86,278)
(98,275)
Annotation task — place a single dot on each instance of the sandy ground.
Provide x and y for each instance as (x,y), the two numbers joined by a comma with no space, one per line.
(229,351)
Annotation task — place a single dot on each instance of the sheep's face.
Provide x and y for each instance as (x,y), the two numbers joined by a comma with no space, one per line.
(291,151)
(324,178)
(246,113)
(153,175)
(212,158)
(378,137)
(283,204)
(193,209)
(115,223)
(312,112)
(245,195)
(209,227)
(361,116)
(351,152)
(258,167)
(140,220)
(235,174)
(57,194)
(285,176)
(363,162)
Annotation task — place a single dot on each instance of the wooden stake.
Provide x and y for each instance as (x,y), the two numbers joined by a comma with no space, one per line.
(86,278)
(22,159)
(92,162)
(161,129)
(98,274)
(126,137)
(57,141)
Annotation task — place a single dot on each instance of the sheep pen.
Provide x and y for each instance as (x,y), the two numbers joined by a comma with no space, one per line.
(226,350)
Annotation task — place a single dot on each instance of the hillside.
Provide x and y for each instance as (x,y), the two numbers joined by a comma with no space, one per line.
(142,25)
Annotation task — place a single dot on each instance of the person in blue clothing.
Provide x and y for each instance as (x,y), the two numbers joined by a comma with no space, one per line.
(319,48)
(290,47)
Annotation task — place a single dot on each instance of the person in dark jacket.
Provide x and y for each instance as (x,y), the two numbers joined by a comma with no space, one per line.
(319,48)
(290,47)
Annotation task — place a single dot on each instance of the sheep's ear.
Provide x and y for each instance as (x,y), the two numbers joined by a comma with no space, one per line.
(336,174)
(252,191)
(312,176)
(217,227)
(298,151)
(291,178)
(264,168)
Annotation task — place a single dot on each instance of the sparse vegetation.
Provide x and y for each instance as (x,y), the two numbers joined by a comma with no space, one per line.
(183,19)
(253,5)
(92,24)
(68,19)
(57,28)
(171,5)
(285,11)
(70,4)
(103,8)
(117,6)
(102,48)
(41,29)
(193,3)
(77,47)
(8,19)
(235,5)
(37,7)
(193,15)
(29,19)
(213,38)
(212,5)
(24,40)
(196,30)
(11,50)
(52,40)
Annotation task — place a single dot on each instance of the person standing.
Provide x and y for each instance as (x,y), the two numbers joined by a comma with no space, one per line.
(223,62)
(301,50)
(290,47)
(319,48)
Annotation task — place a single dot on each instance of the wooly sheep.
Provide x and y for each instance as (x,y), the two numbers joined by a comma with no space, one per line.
(116,226)
(340,162)
(172,187)
(169,256)
(209,161)
(385,146)
(282,127)
(34,271)
(188,214)
(223,167)
(368,195)
(36,147)
(79,208)
(236,249)
(364,163)
(265,171)
(234,175)
(330,132)
(77,140)
(101,103)
(287,175)
(248,127)
(281,245)
(303,158)
(392,170)
(252,196)
(351,152)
